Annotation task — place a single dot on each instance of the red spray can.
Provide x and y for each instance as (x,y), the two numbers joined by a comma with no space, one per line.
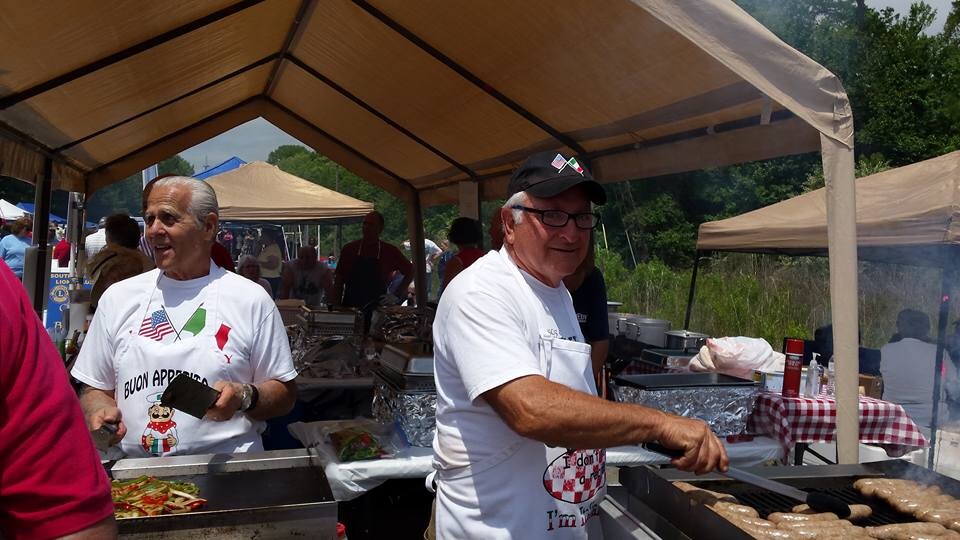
(792,368)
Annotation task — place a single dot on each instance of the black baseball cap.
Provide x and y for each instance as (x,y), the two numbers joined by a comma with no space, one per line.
(547,174)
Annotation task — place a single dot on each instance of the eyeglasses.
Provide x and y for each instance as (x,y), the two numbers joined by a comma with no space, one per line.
(559,218)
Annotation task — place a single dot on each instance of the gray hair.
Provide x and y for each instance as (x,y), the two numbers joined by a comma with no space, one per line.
(203,199)
(519,198)
(245,260)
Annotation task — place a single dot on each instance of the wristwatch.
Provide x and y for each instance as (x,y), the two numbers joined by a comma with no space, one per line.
(249,397)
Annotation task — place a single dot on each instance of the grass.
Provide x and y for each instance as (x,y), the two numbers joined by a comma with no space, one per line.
(768,296)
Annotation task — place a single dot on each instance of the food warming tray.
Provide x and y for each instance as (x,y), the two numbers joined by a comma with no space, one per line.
(408,358)
(666,381)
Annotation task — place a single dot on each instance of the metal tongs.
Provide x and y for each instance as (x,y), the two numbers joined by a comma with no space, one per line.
(103,435)
(821,502)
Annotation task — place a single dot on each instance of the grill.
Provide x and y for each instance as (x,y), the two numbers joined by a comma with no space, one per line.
(652,489)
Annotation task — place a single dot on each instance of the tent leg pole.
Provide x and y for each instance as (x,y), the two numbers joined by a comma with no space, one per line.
(693,289)
(945,280)
(415,226)
(842,245)
(41,222)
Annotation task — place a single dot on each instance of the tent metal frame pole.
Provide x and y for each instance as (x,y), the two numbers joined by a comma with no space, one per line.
(225,78)
(693,288)
(386,119)
(46,86)
(292,34)
(946,278)
(342,144)
(41,223)
(470,77)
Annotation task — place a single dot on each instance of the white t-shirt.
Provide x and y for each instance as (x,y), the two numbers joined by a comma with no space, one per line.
(94,242)
(486,334)
(253,349)
(908,368)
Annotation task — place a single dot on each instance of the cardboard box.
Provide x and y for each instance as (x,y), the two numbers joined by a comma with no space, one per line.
(871,386)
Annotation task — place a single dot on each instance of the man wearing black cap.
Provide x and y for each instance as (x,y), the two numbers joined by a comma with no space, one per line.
(519,449)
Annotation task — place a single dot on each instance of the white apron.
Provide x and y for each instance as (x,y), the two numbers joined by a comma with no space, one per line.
(145,367)
(531,490)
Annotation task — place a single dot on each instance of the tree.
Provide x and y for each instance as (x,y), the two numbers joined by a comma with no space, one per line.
(125,196)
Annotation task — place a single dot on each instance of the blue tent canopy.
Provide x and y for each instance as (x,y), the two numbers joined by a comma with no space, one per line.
(28,208)
(227,165)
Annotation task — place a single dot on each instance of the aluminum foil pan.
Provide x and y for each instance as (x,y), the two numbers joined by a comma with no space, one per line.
(398,324)
(724,408)
(414,412)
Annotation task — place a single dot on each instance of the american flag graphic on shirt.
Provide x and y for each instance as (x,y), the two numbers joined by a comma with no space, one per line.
(156,326)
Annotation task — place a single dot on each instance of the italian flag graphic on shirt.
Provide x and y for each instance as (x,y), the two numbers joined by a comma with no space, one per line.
(196,322)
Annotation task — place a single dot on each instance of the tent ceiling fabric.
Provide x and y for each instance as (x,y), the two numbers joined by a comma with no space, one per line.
(912,206)
(410,96)
(240,193)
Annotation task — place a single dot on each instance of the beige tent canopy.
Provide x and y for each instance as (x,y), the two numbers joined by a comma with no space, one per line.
(435,101)
(259,191)
(909,214)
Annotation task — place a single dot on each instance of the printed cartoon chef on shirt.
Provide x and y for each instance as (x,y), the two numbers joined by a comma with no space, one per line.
(160,435)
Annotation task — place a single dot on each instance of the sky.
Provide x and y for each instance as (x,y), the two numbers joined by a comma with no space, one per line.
(255,140)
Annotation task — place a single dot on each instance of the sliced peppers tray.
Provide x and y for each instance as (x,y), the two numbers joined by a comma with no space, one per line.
(150,496)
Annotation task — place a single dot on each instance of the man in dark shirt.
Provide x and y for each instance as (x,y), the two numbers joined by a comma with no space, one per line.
(589,293)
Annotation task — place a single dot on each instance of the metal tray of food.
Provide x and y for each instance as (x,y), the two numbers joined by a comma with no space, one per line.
(668,381)
(278,494)
(411,384)
(408,358)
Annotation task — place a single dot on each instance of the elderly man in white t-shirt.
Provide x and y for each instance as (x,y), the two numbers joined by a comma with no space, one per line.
(908,366)
(519,450)
(187,316)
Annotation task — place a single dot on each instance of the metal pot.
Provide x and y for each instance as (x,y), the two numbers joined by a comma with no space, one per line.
(649,331)
(685,339)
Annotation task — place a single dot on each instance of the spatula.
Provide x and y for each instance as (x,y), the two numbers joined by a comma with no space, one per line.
(189,395)
(820,502)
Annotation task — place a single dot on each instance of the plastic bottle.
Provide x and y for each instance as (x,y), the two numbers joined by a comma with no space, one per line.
(831,381)
(812,384)
(792,368)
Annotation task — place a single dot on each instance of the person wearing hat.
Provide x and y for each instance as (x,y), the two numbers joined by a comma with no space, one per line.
(187,316)
(519,448)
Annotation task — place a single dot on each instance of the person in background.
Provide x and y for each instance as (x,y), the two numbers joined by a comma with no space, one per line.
(93,243)
(52,484)
(13,247)
(465,233)
(431,252)
(270,259)
(119,259)
(908,367)
(496,231)
(307,279)
(332,261)
(365,267)
(589,293)
(250,269)
(445,255)
(61,252)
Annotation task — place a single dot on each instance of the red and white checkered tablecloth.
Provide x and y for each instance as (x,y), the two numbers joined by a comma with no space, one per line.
(808,420)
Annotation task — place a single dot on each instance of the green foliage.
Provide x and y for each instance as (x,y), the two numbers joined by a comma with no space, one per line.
(125,196)
(766,296)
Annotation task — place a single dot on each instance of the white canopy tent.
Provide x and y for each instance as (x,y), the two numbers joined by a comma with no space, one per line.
(435,101)
(10,211)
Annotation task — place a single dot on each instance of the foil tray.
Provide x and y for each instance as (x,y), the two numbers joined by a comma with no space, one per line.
(414,412)
(725,408)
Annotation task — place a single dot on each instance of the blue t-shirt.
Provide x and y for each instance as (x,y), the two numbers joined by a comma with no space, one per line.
(13,249)
(590,303)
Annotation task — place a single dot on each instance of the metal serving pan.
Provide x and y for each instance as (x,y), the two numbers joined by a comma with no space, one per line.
(408,358)
(666,381)
(277,494)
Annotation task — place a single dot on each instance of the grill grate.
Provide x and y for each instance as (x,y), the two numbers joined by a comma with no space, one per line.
(767,502)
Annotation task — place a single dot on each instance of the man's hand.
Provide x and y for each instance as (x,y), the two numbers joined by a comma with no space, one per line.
(702,450)
(228,403)
(108,415)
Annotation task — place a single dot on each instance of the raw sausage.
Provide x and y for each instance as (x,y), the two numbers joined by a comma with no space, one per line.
(777,517)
